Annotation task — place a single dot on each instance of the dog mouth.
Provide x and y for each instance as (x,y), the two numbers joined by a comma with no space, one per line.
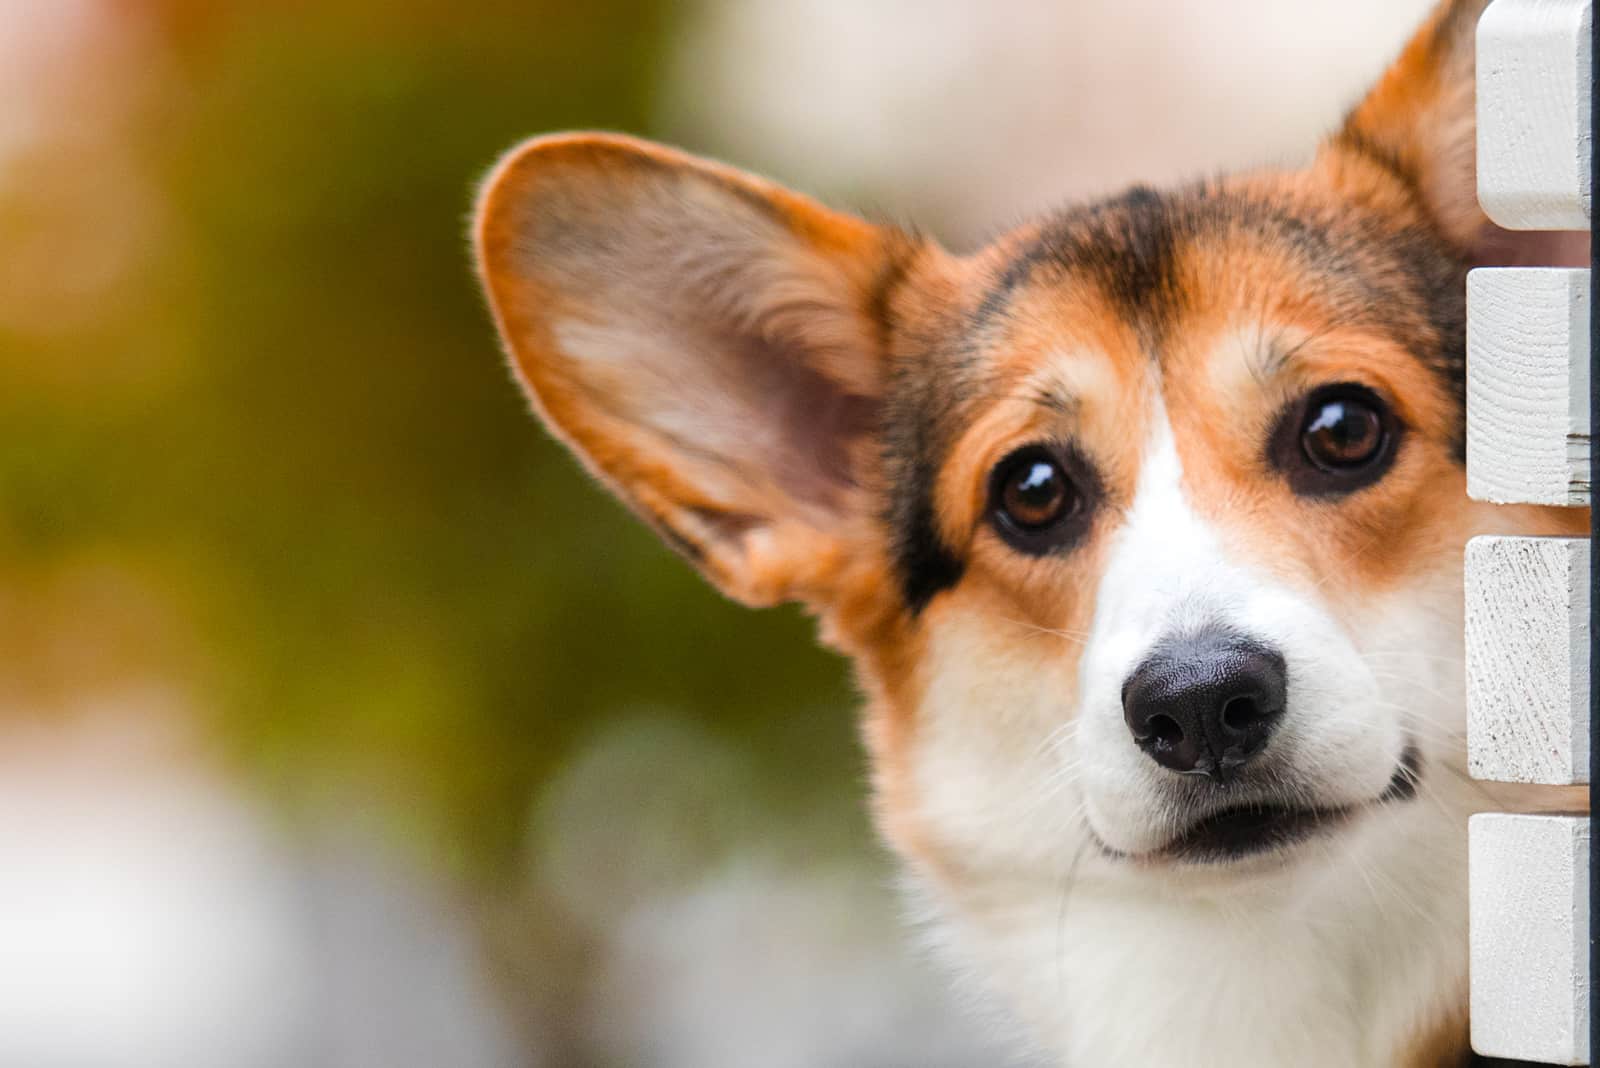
(1239,831)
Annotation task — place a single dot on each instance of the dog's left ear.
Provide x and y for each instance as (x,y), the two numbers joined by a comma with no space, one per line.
(1420,121)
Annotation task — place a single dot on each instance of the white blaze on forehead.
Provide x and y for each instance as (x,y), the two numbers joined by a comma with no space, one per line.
(1166,571)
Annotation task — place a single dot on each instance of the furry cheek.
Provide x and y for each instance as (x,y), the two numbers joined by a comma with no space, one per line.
(988,782)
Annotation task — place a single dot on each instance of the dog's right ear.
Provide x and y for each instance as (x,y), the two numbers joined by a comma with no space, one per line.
(712,346)
(1420,122)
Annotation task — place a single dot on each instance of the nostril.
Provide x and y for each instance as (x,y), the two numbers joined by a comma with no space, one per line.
(1163,730)
(1242,714)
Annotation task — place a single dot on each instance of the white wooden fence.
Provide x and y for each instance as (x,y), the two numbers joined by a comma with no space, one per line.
(1528,599)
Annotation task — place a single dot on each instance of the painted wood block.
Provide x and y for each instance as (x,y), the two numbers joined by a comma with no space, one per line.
(1529,901)
(1528,385)
(1528,659)
(1533,114)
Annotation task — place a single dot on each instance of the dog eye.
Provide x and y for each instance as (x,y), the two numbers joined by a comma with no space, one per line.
(1035,502)
(1341,433)
(1335,440)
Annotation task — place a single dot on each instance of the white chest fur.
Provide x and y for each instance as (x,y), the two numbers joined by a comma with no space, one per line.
(1345,958)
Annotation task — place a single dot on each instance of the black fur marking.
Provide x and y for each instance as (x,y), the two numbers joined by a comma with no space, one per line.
(932,375)
(927,567)
(1016,274)
(1125,244)
(919,422)
(1139,272)
(924,565)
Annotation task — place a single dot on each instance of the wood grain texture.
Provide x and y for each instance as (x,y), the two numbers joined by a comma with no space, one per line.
(1533,114)
(1528,435)
(1528,659)
(1529,894)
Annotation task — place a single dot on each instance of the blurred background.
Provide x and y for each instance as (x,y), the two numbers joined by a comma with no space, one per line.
(342,722)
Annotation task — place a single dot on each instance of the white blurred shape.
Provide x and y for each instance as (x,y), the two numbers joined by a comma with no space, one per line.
(404,986)
(145,918)
(151,917)
(976,113)
(723,939)
(780,966)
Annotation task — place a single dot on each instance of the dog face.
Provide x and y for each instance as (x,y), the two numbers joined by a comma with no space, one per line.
(1198,462)
(1143,525)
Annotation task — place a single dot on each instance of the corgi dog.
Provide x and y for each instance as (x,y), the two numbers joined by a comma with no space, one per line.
(1142,527)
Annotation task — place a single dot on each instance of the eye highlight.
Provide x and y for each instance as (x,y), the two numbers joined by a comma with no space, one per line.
(1038,498)
(1341,434)
(1334,440)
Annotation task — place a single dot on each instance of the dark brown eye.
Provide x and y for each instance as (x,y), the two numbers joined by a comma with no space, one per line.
(1335,440)
(1037,497)
(1034,493)
(1342,432)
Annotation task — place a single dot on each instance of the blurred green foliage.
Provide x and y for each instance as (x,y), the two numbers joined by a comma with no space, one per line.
(297,428)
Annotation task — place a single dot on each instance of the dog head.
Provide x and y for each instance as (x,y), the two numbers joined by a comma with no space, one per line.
(1143,525)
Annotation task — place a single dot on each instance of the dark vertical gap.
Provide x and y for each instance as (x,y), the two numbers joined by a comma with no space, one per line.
(1594,538)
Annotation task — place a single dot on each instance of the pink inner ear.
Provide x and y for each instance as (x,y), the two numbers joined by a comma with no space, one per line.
(807,422)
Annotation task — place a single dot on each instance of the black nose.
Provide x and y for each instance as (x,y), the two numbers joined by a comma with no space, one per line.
(1205,704)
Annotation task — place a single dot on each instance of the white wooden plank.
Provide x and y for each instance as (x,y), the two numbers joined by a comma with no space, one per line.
(1529,900)
(1533,114)
(1528,659)
(1528,385)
